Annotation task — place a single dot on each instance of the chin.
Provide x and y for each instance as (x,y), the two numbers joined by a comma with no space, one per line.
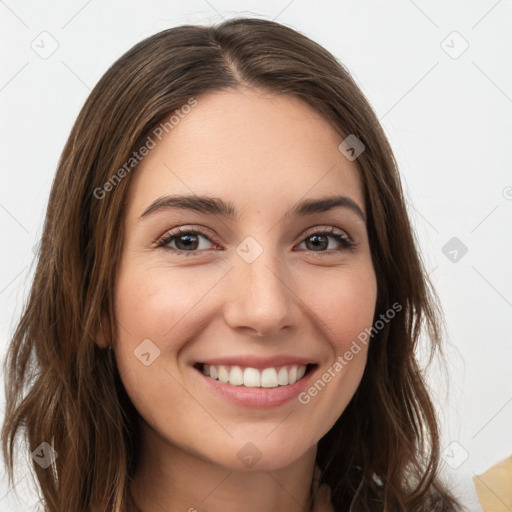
(263,455)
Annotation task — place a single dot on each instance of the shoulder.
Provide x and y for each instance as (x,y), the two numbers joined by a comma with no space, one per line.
(494,487)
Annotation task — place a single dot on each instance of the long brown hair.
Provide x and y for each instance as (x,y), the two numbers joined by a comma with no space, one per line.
(61,388)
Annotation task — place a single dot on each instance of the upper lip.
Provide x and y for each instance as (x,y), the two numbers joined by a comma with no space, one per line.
(258,362)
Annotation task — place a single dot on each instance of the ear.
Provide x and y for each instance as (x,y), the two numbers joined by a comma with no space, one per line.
(101,341)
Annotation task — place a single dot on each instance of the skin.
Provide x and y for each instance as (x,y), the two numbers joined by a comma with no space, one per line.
(263,152)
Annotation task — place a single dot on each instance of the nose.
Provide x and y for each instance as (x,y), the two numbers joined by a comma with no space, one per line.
(262,300)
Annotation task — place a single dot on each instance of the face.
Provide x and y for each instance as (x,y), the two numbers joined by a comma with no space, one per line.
(227,317)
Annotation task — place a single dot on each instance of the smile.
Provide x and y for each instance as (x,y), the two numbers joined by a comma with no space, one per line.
(260,383)
(255,378)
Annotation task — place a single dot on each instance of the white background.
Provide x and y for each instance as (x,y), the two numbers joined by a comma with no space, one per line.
(449,121)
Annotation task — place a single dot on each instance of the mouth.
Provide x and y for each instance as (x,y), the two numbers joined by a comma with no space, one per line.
(249,377)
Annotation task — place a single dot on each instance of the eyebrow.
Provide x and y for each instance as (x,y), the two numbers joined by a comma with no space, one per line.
(217,206)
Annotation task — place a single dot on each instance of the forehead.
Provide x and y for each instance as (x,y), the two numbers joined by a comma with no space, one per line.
(251,147)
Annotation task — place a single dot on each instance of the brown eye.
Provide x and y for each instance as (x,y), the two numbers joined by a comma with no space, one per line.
(185,241)
(319,241)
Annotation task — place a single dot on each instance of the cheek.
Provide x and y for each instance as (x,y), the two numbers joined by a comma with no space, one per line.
(155,304)
(149,309)
(344,302)
(143,312)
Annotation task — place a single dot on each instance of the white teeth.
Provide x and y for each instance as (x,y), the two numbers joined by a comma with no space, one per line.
(282,377)
(269,378)
(253,378)
(236,376)
(223,374)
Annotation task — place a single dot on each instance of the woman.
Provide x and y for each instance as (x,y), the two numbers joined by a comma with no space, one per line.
(228,295)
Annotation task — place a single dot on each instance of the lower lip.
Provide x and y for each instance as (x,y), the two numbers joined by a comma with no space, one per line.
(257,398)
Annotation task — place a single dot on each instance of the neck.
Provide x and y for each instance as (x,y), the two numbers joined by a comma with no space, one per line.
(171,480)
